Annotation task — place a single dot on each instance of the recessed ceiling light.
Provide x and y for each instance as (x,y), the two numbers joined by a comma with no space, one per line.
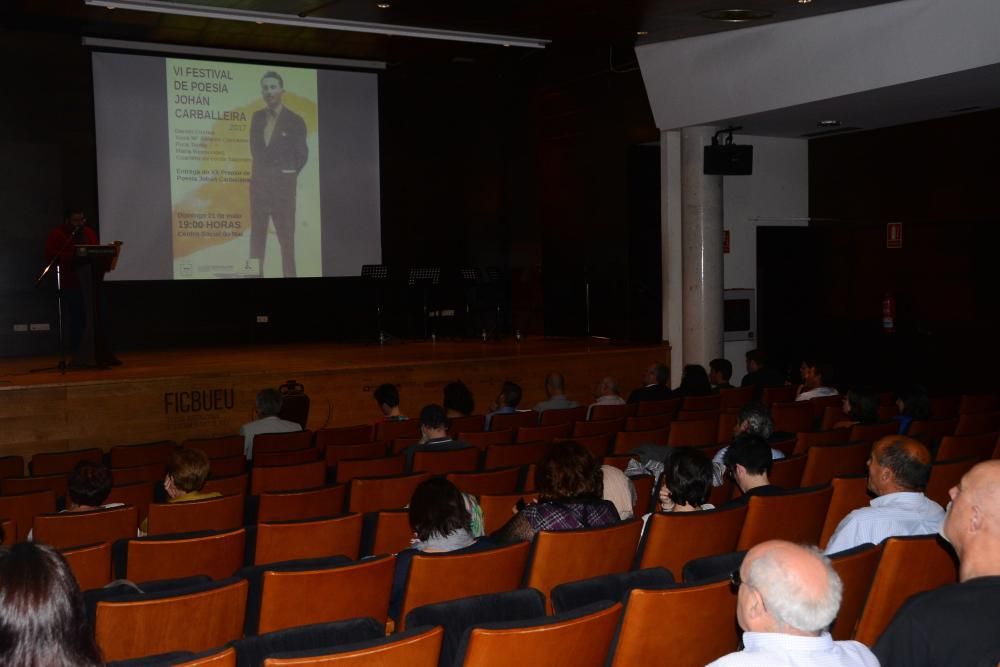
(805,2)
(828,123)
(736,15)
(383,5)
(641,33)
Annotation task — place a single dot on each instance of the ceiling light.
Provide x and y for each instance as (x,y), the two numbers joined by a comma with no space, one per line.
(276,18)
(383,5)
(641,33)
(736,15)
(805,2)
(828,123)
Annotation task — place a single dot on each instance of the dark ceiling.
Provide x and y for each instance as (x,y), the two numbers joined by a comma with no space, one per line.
(571,25)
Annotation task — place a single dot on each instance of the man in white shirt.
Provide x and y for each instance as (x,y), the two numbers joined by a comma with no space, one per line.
(606,393)
(788,596)
(898,470)
(268,406)
(816,378)
(555,389)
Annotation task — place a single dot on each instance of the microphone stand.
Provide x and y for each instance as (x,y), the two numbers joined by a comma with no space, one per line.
(54,262)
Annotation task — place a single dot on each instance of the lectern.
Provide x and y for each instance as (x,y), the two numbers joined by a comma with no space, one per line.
(91,262)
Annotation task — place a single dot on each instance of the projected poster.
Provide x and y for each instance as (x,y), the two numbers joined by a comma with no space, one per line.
(244,170)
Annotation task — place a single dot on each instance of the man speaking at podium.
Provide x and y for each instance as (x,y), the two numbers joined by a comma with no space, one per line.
(279,151)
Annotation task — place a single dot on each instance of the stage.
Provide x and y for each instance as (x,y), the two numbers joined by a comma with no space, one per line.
(182,393)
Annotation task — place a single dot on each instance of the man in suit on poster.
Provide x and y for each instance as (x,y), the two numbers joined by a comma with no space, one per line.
(279,152)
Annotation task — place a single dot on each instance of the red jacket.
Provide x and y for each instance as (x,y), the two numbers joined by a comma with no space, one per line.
(57,239)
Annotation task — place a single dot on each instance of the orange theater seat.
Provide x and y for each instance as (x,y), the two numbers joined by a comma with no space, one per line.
(934,429)
(91,565)
(872,432)
(543,433)
(824,462)
(977,403)
(792,417)
(139,495)
(470,423)
(498,509)
(343,435)
(224,658)
(597,445)
(269,443)
(849,494)
(444,462)
(13,486)
(131,456)
(606,427)
(787,472)
(227,486)
(217,448)
(152,472)
(392,532)
(225,513)
(517,454)
(56,463)
(9,527)
(605,412)
(563,416)
(420,650)
(492,482)
(11,466)
(980,422)
(310,538)
(674,538)
(693,433)
(23,508)
(856,568)
(513,420)
(669,406)
(979,447)
(701,403)
(295,505)
(484,439)
(288,478)
(370,494)
(71,529)
(626,441)
(365,450)
(648,423)
(801,517)
(736,397)
(944,475)
(289,458)
(772,395)
(219,556)
(805,440)
(232,465)
(352,468)
(390,430)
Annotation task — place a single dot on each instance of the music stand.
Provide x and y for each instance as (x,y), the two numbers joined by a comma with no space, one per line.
(470,279)
(494,278)
(378,276)
(425,278)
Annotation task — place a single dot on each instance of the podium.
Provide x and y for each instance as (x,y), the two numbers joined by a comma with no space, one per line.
(91,262)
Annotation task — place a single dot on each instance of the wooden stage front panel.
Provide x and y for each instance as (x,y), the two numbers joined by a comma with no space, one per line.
(179,394)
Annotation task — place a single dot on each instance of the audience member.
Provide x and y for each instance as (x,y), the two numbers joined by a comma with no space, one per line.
(787,598)
(748,461)
(694,382)
(861,407)
(433,435)
(43,622)
(458,400)
(441,522)
(685,484)
(898,470)
(89,486)
(555,389)
(913,403)
(505,402)
(387,398)
(570,488)
(618,490)
(760,375)
(719,373)
(657,387)
(187,471)
(816,380)
(957,624)
(754,419)
(268,406)
(606,393)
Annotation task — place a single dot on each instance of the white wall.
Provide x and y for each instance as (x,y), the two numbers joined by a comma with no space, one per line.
(776,194)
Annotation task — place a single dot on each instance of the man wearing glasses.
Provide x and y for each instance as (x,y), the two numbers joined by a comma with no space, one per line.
(788,596)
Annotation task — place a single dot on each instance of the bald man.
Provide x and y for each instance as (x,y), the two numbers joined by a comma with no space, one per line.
(957,624)
(788,596)
(555,389)
(898,470)
(606,393)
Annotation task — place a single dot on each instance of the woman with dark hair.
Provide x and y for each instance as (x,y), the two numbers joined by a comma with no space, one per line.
(458,400)
(694,382)
(861,407)
(42,617)
(570,487)
(913,403)
(685,484)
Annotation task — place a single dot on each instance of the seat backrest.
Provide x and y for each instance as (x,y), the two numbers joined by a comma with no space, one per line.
(849,494)
(344,435)
(218,556)
(513,420)
(151,472)
(698,403)
(498,509)
(294,505)
(569,555)
(543,433)
(619,461)
(563,416)
(693,433)
(390,430)
(293,598)
(872,432)
(90,564)
(491,482)
(289,458)
(694,625)
(804,440)
(736,397)
(943,407)
(227,486)
(787,472)
(232,465)
(483,439)
(933,428)
(978,403)
(643,485)
(470,423)
(547,642)
(225,513)
(597,445)
(444,462)
(192,622)
(824,462)
(9,527)
(439,577)
(792,417)
(517,454)
(55,463)
(605,412)
(720,495)
(909,565)
(419,649)
(944,475)
(392,532)
(980,422)
(57,484)
(311,538)
(130,456)
(223,658)
(370,494)
(217,448)
(772,395)
(606,427)
(832,414)
(71,529)
(365,450)
(856,568)
(648,423)
(979,447)
(727,424)
(626,441)
(349,469)
(23,509)
(288,478)
(268,443)
(674,538)
(801,517)
(11,466)
(668,406)
(698,415)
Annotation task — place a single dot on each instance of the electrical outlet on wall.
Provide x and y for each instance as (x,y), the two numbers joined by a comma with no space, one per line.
(20,327)
(39,326)
(263,319)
